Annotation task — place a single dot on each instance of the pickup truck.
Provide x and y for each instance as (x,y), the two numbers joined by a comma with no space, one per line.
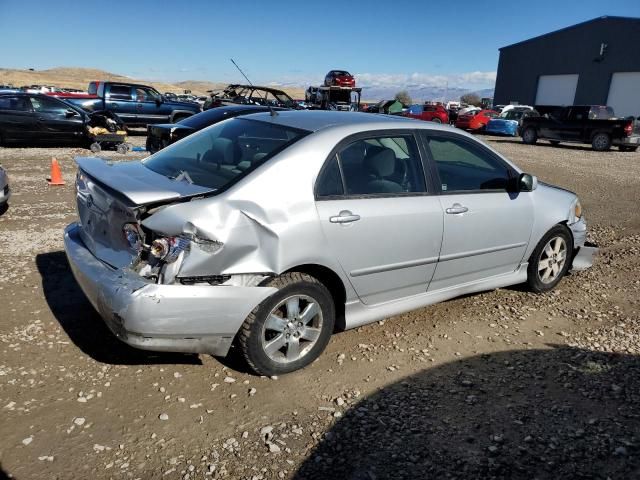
(594,124)
(136,105)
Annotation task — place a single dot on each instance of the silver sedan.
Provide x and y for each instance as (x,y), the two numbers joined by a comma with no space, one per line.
(274,230)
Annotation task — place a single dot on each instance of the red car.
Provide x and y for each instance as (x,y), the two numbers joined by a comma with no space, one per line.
(429,113)
(339,78)
(475,120)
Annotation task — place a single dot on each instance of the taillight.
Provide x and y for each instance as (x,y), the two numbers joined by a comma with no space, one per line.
(628,129)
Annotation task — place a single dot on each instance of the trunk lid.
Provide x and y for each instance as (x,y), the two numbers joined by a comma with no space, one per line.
(109,196)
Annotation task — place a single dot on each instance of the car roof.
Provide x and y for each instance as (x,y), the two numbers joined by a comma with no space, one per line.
(315,120)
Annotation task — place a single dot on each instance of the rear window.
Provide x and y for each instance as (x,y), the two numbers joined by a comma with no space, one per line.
(206,118)
(601,113)
(221,154)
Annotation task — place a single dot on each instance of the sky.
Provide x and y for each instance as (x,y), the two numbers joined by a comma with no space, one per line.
(384,43)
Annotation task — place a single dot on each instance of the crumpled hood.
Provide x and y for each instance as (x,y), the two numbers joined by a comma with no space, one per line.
(138,183)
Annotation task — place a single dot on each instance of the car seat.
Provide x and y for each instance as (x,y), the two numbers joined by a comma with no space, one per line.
(380,166)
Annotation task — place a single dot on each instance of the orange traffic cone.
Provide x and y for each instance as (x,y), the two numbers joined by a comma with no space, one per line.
(56,175)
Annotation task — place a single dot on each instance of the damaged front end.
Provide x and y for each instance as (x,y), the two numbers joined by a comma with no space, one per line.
(158,287)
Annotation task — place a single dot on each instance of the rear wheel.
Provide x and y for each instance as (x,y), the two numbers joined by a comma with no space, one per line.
(291,328)
(436,120)
(550,260)
(601,142)
(530,136)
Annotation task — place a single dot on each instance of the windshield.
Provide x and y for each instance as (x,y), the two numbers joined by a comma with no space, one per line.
(512,114)
(218,156)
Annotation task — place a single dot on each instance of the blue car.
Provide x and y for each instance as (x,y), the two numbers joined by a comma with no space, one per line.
(508,123)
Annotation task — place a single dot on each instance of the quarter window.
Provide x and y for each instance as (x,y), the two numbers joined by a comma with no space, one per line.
(330,181)
(463,166)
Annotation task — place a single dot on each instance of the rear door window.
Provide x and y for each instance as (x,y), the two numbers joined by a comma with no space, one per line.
(384,165)
(16,104)
(120,92)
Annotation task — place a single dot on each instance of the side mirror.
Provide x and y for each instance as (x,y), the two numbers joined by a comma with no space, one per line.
(527,182)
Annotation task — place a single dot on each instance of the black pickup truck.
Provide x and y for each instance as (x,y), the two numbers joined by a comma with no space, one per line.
(136,105)
(592,124)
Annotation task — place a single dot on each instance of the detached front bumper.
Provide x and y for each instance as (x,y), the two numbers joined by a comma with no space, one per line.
(173,318)
(583,251)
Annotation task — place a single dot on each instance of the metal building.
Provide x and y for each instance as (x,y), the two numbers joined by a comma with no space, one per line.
(592,63)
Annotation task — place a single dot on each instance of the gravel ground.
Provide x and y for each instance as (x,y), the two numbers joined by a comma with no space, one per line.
(504,384)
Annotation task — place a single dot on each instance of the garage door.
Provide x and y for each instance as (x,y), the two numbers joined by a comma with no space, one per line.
(624,94)
(556,89)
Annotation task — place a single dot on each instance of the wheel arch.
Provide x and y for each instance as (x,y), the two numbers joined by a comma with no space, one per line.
(334,284)
(178,115)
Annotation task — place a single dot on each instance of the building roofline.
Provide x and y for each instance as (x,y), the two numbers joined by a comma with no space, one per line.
(593,20)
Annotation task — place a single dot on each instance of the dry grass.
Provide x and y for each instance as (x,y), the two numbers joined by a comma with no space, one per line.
(67,77)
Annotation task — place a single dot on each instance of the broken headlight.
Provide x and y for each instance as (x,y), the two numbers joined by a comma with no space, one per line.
(168,249)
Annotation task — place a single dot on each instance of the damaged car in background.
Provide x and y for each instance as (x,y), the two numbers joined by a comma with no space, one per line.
(273,230)
(161,135)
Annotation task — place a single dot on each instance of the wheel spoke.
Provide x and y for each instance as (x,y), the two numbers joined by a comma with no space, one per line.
(558,245)
(309,312)
(548,250)
(293,348)
(293,308)
(562,255)
(310,334)
(546,274)
(543,264)
(555,269)
(275,344)
(275,323)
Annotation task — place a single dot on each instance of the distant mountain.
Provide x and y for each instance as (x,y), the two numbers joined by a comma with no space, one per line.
(423,93)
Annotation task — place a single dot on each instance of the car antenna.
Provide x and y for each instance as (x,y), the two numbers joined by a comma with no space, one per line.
(240,70)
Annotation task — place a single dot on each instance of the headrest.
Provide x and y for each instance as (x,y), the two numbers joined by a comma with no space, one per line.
(222,151)
(381,164)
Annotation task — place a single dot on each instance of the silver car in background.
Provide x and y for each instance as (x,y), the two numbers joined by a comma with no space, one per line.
(275,229)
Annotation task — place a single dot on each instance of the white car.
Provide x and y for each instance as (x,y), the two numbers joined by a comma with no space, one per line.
(5,191)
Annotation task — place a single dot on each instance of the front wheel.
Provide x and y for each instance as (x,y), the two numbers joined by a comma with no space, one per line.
(291,328)
(530,136)
(601,142)
(436,120)
(550,260)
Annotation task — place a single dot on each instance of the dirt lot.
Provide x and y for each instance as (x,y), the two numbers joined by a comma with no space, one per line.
(503,384)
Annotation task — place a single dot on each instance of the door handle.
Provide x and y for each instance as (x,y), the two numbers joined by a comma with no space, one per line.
(345,216)
(456,208)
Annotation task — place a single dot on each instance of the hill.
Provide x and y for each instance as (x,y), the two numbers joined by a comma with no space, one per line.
(69,77)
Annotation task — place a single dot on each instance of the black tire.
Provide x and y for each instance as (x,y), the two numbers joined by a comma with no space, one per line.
(622,148)
(530,136)
(436,120)
(534,277)
(601,142)
(555,143)
(250,336)
(122,149)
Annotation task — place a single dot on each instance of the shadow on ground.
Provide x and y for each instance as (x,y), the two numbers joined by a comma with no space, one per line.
(82,323)
(533,414)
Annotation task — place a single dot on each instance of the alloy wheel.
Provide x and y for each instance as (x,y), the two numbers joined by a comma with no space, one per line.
(292,329)
(552,260)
